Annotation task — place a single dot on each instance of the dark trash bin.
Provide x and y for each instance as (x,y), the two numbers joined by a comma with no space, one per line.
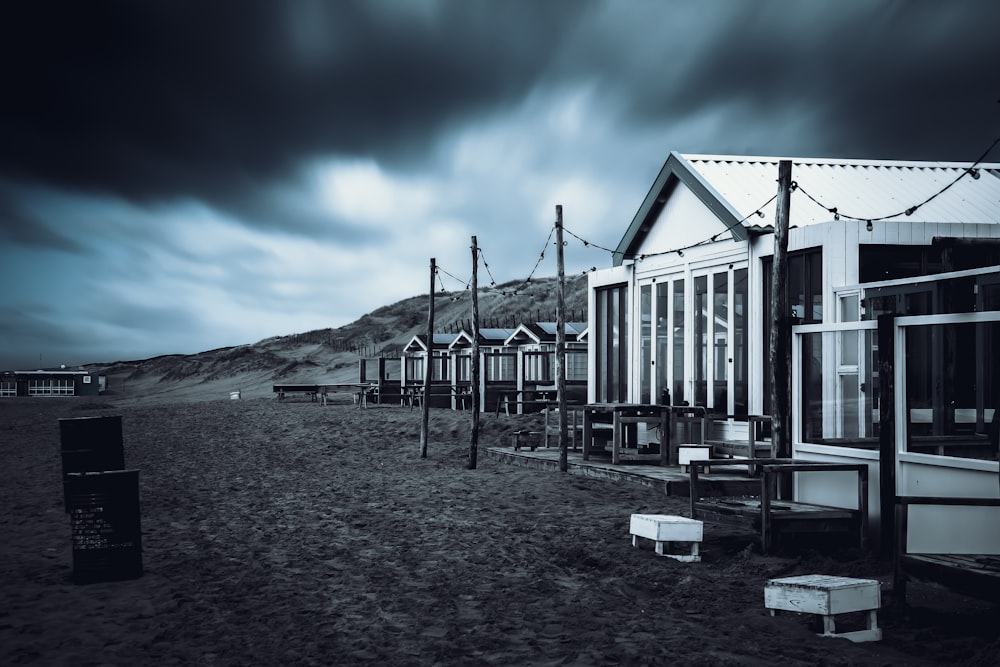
(104,518)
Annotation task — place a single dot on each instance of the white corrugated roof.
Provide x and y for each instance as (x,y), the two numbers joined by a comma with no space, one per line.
(495,333)
(863,189)
(572,328)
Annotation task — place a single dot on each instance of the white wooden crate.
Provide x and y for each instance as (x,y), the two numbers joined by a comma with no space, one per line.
(665,528)
(828,596)
(688,453)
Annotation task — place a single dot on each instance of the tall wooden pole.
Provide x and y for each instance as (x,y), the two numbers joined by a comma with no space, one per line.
(474,445)
(779,348)
(428,366)
(561,342)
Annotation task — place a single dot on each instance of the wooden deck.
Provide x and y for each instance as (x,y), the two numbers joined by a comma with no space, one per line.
(670,479)
(773,518)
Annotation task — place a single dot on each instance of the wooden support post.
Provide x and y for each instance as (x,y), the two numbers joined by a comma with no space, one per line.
(766,536)
(474,445)
(779,348)
(693,493)
(887,434)
(428,366)
(561,343)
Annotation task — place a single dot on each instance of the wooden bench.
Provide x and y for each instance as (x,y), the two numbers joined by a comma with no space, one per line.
(976,575)
(771,517)
(309,390)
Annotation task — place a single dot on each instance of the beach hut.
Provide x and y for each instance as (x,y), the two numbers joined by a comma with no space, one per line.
(535,345)
(685,308)
(497,364)
(413,360)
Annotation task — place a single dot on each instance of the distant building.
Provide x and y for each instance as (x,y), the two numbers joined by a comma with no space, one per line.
(51,383)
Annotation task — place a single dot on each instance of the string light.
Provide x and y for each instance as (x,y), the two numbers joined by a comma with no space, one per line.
(972,171)
(493,282)
(438,271)
(680,251)
(586,242)
(527,280)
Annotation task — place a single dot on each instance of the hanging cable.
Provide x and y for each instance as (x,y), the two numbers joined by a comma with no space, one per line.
(759,211)
(455,278)
(586,242)
(538,262)
(482,256)
(971,170)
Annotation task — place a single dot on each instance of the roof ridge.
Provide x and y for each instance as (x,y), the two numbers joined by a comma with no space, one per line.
(854,162)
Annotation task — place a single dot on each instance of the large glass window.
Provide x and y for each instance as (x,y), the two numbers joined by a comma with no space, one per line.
(538,365)
(499,366)
(720,339)
(645,341)
(804,291)
(414,369)
(463,367)
(50,387)
(836,407)
(663,337)
(611,344)
(576,365)
(741,343)
(701,314)
(893,262)
(440,370)
(677,324)
(948,412)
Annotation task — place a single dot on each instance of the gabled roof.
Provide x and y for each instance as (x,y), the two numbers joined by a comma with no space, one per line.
(734,188)
(491,336)
(545,332)
(419,342)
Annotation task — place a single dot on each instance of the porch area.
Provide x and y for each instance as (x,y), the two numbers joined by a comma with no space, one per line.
(670,479)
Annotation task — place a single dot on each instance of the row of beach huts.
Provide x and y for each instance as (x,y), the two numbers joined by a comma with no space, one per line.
(517,368)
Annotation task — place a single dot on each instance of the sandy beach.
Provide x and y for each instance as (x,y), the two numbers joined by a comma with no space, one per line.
(294,533)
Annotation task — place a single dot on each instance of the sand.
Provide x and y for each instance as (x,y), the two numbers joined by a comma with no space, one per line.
(293,533)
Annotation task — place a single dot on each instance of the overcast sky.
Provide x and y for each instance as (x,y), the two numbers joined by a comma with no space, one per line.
(181,176)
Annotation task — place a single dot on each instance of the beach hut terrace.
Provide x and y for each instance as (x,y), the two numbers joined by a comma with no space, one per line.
(683,316)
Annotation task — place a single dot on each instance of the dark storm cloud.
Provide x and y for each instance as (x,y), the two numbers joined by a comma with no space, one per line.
(904,80)
(151,100)
(235,166)
(21,227)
